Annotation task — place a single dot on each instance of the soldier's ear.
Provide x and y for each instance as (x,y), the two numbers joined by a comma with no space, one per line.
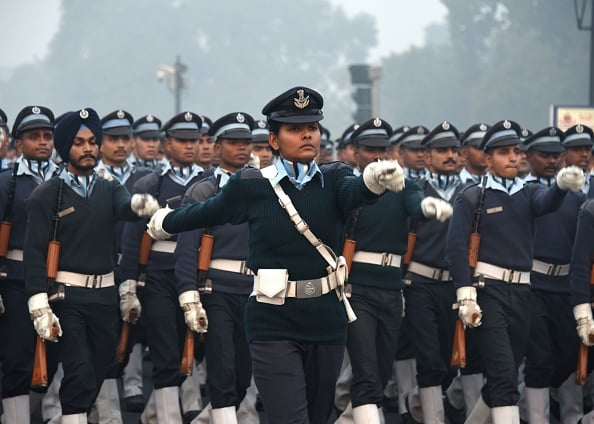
(273,141)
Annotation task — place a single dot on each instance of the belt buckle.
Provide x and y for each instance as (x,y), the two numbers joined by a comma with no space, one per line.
(437,274)
(242,267)
(386,259)
(308,289)
(554,270)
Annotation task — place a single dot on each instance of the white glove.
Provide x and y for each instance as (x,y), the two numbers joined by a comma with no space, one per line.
(104,173)
(469,311)
(387,174)
(155,225)
(570,178)
(194,313)
(2,309)
(44,320)
(585,325)
(130,307)
(439,209)
(144,205)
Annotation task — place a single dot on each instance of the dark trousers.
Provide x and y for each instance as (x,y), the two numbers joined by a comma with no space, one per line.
(372,341)
(296,380)
(228,362)
(17,340)
(164,326)
(432,321)
(86,349)
(502,338)
(551,354)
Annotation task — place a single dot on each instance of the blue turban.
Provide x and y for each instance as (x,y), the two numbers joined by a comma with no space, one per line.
(70,123)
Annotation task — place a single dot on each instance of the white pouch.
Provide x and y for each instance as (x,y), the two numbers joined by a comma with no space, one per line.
(270,286)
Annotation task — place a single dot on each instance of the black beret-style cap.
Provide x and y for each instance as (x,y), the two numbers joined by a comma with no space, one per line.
(474,134)
(397,132)
(32,118)
(373,133)
(503,133)
(348,133)
(236,125)
(118,122)
(412,139)
(184,126)
(297,105)
(443,135)
(3,119)
(206,124)
(146,127)
(260,132)
(70,124)
(546,140)
(578,136)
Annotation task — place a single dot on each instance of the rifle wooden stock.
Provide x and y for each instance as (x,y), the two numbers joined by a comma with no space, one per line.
(592,274)
(39,377)
(348,251)
(187,361)
(410,248)
(144,251)
(582,365)
(458,358)
(123,340)
(5,228)
(206,245)
(474,243)
(52,260)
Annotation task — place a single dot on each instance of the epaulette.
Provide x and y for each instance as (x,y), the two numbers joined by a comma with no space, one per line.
(200,191)
(250,173)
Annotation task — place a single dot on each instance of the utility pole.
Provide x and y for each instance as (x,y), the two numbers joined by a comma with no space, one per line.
(581,9)
(174,80)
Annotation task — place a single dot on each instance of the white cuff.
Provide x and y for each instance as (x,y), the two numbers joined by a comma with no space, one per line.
(38,301)
(190,296)
(582,311)
(466,293)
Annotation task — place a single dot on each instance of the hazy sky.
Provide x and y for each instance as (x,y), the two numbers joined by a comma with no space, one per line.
(400,24)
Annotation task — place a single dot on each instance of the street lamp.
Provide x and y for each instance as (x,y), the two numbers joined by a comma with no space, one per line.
(172,75)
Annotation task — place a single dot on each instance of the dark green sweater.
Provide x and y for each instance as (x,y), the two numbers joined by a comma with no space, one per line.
(275,243)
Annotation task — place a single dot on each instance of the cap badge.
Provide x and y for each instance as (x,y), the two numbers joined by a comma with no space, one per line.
(149,118)
(420,131)
(482,127)
(261,124)
(240,118)
(377,122)
(552,132)
(121,114)
(36,110)
(83,114)
(445,125)
(579,128)
(188,116)
(302,101)
(525,132)
(506,124)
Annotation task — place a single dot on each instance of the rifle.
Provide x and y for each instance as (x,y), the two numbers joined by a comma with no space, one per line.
(6,224)
(146,242)
(122,346)
(458,358)
(411,241)
(52,260)
(39,378)
(582,362)
(204,286)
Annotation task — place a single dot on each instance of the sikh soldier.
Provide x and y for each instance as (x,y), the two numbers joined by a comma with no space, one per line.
(33,133)
(84,209)
(145,139)
(163,319)
(380,231)
(228,284)
(295,322)
(552,345)
(507,207)
(473,157)
(430,294)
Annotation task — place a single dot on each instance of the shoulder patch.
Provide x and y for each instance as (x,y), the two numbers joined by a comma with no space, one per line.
(147,183)
(200,191)
(250,174)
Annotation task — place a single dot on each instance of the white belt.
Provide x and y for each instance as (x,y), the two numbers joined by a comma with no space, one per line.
(230,265)
(163,246)
(550,269)
(303,289)
(85,280)
(502,274)
(15,255)
(429,272)
(382,259)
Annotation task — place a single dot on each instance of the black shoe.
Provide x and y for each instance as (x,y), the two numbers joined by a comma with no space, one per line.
(453,414)
(390,404)
(134,403)
(189,416)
